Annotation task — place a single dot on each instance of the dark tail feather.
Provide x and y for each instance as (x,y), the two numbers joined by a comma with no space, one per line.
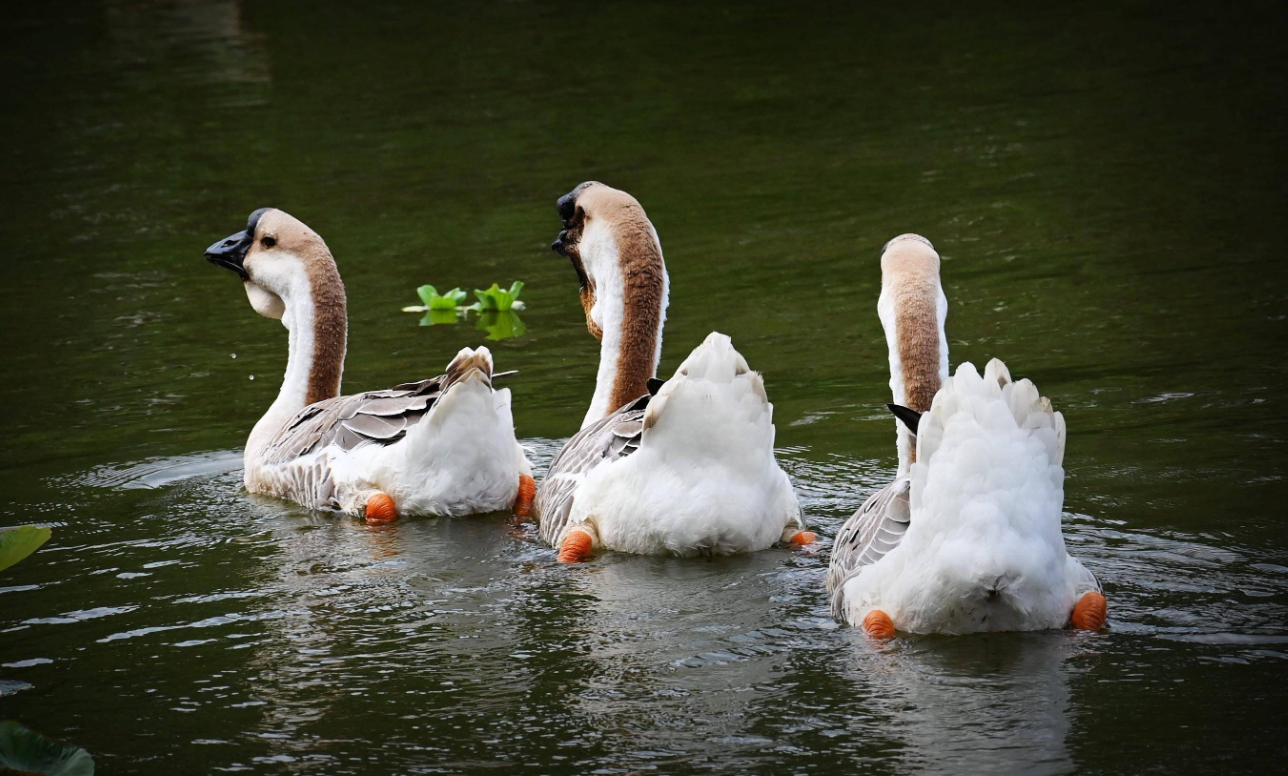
(909,417)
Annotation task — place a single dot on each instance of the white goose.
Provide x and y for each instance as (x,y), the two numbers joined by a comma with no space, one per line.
(967,537)
(684,467)
(443,446)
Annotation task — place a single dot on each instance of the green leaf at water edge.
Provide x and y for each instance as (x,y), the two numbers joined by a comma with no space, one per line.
(26,751)
(497,299)
(427,294)
(448,301)
(18,543)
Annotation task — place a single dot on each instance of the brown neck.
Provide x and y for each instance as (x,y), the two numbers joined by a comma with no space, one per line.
(330,331)
(643,289)
(917,332)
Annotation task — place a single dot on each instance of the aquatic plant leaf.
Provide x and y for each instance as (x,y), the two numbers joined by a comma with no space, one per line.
(436,301)
(17,543)
(495,298)
(448,301)
(27,751)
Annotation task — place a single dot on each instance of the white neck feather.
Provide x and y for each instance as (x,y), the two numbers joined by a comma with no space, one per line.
(298,318)
(609,314)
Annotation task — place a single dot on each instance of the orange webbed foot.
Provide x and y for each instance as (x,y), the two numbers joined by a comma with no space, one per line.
(576,547)
(802,538)
(523,502)
(380,509)
(879,625)
(1090,612)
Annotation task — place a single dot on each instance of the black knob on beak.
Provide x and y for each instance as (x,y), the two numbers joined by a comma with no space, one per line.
(567,205)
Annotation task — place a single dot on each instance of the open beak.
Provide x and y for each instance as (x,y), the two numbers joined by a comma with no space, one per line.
(230,253)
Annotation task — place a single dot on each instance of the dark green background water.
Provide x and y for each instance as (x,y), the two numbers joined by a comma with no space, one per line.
(1106,187)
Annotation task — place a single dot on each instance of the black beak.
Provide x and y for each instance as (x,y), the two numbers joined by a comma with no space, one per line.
(230,253)
(559,246)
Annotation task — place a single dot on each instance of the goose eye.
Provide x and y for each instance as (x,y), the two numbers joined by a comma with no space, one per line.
(268,242)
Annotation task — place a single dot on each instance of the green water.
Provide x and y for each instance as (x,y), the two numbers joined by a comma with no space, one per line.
(1106,189)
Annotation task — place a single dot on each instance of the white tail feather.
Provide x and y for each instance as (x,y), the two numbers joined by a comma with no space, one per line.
(983,397)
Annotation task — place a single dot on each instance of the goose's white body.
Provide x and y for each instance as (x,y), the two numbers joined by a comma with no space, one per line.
(983,550)
(704,479)
(460,458)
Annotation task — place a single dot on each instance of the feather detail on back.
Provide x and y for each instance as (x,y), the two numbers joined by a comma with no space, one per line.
(374,417)
(871,532)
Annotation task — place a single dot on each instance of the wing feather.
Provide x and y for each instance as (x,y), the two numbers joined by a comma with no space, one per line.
(870,533)
(349,422)
(603,441)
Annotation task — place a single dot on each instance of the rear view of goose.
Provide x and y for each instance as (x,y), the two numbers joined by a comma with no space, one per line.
(967,538)
(681,467)
(442,446)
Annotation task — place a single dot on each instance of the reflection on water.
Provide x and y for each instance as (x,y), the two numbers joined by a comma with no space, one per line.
(955,704)
(1103,188)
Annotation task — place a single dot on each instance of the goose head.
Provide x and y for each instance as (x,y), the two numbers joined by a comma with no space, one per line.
(607,236)
(909,258)
(278,259)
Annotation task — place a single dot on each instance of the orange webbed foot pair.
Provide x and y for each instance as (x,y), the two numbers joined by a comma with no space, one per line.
(1090,613)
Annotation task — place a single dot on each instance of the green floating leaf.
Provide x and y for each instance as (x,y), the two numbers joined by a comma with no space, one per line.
(448,301)
(497,299)
(26,751)
(501,324)
(437,317)
(436,301)
(18,543)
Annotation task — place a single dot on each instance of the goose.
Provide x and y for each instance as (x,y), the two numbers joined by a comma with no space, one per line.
(967,537)
(678,467)
(442,446)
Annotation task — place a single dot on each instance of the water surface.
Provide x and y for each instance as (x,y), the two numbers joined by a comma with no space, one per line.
(1105,187)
